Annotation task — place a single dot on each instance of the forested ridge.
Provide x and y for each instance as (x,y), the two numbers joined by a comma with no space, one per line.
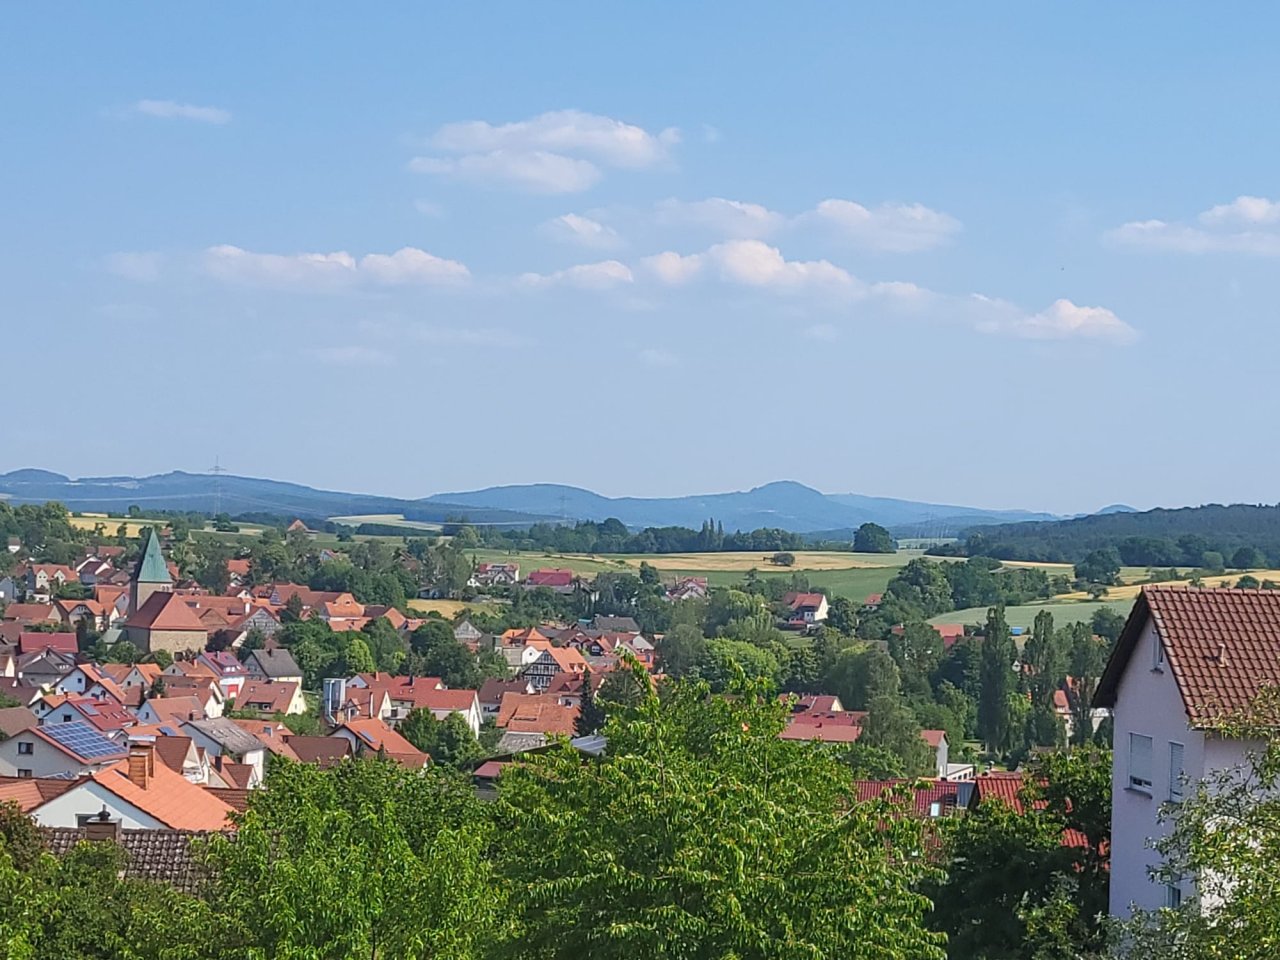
(1162,537)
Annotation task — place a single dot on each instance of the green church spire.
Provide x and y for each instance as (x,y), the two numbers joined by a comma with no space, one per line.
(151,567)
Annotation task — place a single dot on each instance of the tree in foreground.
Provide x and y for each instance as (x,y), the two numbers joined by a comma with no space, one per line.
(448,742)
(367,859)
(1032,883)
(1221,852)
(702,834)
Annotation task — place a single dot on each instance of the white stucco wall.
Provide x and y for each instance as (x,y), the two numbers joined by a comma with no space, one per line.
(1148,703)
(45,759)
(88,799)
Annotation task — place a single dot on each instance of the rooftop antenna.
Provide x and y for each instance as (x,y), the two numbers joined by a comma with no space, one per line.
(217,469)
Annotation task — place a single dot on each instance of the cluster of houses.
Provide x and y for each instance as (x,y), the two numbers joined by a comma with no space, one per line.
(151,607)
(94,749)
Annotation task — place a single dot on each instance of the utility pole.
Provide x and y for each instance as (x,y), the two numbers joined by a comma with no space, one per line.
(217,470)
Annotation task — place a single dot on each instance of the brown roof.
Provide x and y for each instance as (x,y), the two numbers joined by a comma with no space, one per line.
(62,642)
(1222,646)
(176,708)
(162,856)
(30,612)
(172,751)
(165,611)
(268,696)
(324,751)
(14,719)
(271,733)
(237,798)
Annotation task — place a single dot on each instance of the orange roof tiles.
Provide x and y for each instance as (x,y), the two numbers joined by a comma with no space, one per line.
(536,713)
(165,611)
(1222,646)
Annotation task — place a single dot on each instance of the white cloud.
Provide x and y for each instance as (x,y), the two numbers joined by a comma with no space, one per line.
(756,264)
(727,218)
(611,141)
(538,170)
(411,265)
(1245,225)
(890,227)
(141,266)
(555,152)
(406,266)
(586,276)
(170,109)
(353,355)
(672,268)
(576,228)
(1062,320)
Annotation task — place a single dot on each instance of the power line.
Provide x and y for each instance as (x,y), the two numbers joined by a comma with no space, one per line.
(217,469)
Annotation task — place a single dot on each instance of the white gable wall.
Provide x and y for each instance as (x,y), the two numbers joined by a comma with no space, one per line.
(1147,703)
(88,799)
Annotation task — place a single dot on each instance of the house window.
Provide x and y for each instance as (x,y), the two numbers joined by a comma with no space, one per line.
(1157,653)
(935,809)
(1175,772)
(1140,762)
(1172,895)
(26,748)
(24,772)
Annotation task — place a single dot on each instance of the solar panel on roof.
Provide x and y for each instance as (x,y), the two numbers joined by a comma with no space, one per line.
(80,738)
(366,737)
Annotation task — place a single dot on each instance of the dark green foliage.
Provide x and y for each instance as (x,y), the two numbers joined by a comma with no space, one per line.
(449,742)
(995,706)
(873,538)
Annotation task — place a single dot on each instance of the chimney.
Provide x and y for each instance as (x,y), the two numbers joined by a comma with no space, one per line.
(102,827)
(142,764)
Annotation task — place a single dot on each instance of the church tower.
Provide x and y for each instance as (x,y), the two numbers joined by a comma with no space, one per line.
(151,575)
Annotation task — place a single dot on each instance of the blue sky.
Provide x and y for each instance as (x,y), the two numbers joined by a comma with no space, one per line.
(1006,256)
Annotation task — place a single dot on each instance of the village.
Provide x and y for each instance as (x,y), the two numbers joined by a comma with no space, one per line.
(173,740)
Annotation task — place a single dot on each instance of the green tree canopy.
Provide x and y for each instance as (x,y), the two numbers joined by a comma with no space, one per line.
(702,834)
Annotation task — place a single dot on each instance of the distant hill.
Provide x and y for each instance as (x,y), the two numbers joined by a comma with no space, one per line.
(1160,538)
(785,504)
(235,495)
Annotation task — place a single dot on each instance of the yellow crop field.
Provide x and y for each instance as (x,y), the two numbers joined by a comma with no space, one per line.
(448,608)
(1131,591)
(88,521)
(744,561)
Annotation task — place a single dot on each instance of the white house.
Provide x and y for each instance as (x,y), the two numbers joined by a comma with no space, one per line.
(64,748)
(1185,657)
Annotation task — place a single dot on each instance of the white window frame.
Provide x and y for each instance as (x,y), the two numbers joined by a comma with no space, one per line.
(1136,781)
(1172,896)
(26,748)
(1176,773)
(1157,653)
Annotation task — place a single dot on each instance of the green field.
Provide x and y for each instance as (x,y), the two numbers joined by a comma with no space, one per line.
(1023,616)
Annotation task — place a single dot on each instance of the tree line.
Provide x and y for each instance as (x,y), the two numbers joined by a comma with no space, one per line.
(1197,537)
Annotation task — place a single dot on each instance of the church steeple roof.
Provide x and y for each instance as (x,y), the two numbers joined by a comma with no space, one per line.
(151,567)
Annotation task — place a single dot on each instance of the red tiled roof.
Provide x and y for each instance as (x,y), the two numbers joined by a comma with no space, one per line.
(30,612)
(798,600)
(536,713)
(62,642)
(30,792)
(375,736)
(1222,646)
(323,751)
(165,611)
(549,578)
(945,793)
(1006,787)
